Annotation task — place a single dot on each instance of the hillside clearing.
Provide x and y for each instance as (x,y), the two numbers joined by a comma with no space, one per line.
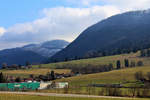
(99,61)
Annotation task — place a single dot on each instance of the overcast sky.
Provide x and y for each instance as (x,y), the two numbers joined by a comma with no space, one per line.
(32,21)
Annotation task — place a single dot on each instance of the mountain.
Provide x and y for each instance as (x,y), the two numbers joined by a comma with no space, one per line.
(19,56)
(130,30)
(47,49)
(33,53)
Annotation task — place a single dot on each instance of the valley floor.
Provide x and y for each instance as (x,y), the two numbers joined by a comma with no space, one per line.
(80,84)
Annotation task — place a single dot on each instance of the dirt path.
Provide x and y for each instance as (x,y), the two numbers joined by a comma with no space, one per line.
(62,95)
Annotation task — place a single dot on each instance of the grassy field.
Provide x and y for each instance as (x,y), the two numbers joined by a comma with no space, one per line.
(80,63)
(115,76)
(99,61)
(26,73)
(78,84)
(27,97)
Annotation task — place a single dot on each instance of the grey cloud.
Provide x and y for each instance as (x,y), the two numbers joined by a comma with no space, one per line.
(57,23)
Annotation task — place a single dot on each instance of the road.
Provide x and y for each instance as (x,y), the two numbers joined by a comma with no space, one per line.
(61,95)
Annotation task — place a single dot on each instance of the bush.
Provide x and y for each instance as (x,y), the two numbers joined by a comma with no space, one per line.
(140,63)
(132,64)
(133,92)
(126,62)
(145,92)
(66,90)
(3,79)
(118,63)
(139,76)
(113,91)
(148,75)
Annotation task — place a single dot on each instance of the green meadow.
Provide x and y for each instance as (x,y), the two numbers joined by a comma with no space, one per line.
(115,76)
(98,61)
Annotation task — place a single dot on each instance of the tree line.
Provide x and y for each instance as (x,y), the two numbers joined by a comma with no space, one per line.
(128,64)
(139,76)
(145,53)
(15,66)
(98,53)
(91,68)
(48,77)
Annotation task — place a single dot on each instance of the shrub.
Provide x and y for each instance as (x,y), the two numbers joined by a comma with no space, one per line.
(148,75)
(132,64)
(113,91)
(140,63)
(139,76)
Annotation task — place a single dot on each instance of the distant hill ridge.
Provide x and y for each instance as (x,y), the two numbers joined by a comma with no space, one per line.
(48,48)
(33,53)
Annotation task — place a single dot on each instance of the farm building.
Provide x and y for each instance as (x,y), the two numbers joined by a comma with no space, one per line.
(61,85)
(31,86)
(19,86)
(44,85)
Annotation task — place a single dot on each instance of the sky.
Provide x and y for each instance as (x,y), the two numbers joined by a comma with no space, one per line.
(32,21)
